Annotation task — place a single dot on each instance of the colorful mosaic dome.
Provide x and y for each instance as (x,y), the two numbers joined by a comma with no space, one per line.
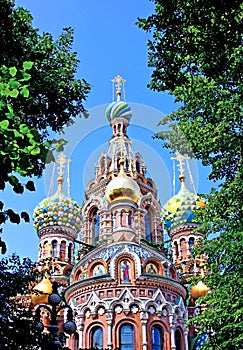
(179,209)
(118,109)
(57,210)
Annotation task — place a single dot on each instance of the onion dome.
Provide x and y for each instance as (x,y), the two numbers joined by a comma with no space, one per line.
(42,291)
(58,210)
(200,290)
(179,209)
(122,188)
(118,109)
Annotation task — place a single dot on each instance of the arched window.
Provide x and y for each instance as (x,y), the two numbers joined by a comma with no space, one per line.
(191,243)
(63,251)
(148,226)
(157,338)
(76,341)
(95,225)
(176,250)
(97,338)
(70,249)
(126,337)
(178,339)
(54,249)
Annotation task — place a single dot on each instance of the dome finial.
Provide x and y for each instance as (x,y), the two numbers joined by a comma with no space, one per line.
(61,160)
(118,84)
(181,166)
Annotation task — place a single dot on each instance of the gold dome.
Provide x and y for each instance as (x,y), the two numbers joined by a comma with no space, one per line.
(42,291)
(122,187)
(200,290)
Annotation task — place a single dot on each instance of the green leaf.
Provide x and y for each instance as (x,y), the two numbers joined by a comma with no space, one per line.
(35,151)
(13,93)
(14,218)
(25,216)
(18,134)
(4,124)
(19,189)
(28,64)
(30,186)
(24,128)
(25,92)
(13,71)
(2,217)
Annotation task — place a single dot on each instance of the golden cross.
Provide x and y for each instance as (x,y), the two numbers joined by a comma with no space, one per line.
(181,160)
(62,160)
(118,81)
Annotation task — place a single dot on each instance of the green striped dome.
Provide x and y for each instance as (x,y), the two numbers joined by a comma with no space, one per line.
(118,109)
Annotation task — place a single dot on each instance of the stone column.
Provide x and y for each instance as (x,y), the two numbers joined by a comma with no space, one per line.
(80,331)
(144,320)
(66,253)
(172,332)
(109,318)
(186,338)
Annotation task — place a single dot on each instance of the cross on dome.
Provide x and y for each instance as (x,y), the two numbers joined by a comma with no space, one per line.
(181,166)
(62,160)
(118,84)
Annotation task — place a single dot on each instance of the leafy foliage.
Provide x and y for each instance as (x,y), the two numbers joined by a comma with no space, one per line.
(196,52)
(16,317)
(38,94)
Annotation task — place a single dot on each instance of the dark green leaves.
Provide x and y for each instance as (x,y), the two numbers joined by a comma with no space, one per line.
(30,186)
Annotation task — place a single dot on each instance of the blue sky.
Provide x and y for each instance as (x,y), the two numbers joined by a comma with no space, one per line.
(108,43)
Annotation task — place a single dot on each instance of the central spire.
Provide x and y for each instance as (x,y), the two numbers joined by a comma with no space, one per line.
(118,85)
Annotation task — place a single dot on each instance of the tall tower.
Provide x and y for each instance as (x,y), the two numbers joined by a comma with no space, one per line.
(57,221)
(178,219)
(125,291)
(101,220)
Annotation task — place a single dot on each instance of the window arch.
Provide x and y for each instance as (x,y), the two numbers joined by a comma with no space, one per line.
(126,337)
(76,341)
(191,243)
(157,338)
(97,338)
(176,250)
(54,249)
(148,224)
(70,249)
(95,225)
(63,251)
(178,339)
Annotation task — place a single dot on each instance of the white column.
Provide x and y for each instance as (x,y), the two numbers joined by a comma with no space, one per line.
(172,332)
(144,320)
(186,338)
(80,333)
(109,317)
(126,219)
(172,338)
(66,255)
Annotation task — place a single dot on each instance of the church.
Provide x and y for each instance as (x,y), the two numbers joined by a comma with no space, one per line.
(128,288)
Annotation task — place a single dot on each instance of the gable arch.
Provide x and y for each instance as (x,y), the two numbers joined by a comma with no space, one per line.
(123,255)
